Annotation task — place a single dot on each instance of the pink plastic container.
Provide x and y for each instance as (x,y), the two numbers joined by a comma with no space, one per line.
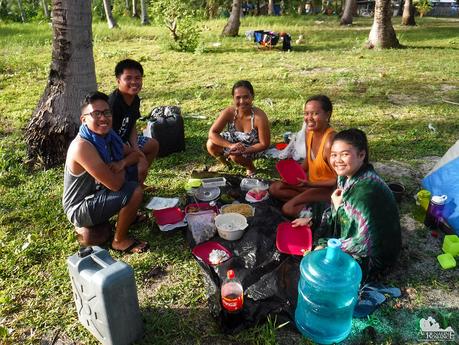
(291,171)
(170,215)
(290,240)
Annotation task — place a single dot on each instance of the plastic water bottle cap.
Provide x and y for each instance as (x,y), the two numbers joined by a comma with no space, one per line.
(439,199)
(230,274)
(333,243)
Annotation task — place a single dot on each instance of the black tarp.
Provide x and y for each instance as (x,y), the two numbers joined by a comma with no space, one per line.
(269,278)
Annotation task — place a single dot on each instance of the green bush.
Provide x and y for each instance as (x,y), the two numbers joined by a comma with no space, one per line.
(181,20)
(423,6)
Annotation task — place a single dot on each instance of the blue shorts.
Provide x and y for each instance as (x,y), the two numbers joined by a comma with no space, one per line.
(142,140)
(105,203)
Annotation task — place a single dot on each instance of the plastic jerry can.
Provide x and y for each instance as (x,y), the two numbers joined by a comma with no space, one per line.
(105,295)
(327,293)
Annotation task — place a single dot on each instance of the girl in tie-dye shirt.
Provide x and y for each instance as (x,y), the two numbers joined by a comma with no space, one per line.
(364,214)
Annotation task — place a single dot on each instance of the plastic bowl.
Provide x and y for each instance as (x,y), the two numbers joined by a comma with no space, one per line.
(248,210)
(446,261)
(397,189)
(231,226)
(291,171)
(249,183)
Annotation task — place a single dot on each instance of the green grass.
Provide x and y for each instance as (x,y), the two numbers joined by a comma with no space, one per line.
(393,95)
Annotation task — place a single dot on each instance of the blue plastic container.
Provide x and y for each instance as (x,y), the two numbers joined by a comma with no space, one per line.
(105,296)
(327,293)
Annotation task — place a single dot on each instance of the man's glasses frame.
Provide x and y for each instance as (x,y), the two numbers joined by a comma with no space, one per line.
(97,114)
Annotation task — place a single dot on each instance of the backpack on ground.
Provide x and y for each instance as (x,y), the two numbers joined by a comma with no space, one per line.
(165,124)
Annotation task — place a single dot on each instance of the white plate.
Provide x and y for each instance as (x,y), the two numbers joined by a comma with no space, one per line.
(207,194)
(252,199)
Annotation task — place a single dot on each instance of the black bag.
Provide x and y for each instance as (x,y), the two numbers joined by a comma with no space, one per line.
(165,124)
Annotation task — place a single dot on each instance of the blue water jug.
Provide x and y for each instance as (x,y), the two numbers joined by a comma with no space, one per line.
(327,293)
(105,296)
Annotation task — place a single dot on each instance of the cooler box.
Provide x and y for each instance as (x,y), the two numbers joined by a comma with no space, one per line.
(105,295)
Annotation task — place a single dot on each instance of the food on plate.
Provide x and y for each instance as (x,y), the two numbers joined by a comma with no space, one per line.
(193,209)
(257,194)
(217,256)
(245,209)
(226,198)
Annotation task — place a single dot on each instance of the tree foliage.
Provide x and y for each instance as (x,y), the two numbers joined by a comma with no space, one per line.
(180,20)
(10,10)
(423,6)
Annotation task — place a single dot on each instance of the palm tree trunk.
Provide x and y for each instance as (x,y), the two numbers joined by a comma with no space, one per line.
(408,13)
(135,13)
(144,13)
(45,8)
(349,8)
(55,121)
(270,7)
(300,8)
(108,14)
(232,27)
(382,34)
(211,9)
(21,10)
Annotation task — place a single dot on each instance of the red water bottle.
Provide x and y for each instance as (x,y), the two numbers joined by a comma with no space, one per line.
(232,293)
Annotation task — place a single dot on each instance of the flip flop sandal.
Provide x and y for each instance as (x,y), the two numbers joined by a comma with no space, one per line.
(135,244)
(368,302)
(385,290)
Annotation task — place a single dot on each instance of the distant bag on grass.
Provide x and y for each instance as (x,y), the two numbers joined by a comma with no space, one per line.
(266,38)
(165,124)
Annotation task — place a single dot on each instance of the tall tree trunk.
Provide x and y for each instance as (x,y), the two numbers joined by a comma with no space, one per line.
(300,8)
(21,10)
(45,8)
(56,119)
(232,27)
(135,13)
(108,14)
(382,34)
(126,6)
(408,13)
(349,8)
(211,9)
(270,7)
(400,8)
(144,13)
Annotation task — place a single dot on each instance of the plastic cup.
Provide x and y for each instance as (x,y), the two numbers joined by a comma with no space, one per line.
(423,198)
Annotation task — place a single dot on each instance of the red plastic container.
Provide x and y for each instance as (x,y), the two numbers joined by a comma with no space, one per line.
(202,206)
(291,171)
(281,146)
(170,215)
(202,251)
(290,240)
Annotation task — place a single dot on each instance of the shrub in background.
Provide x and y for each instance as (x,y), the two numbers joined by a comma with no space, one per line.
(180,18)
(423,7)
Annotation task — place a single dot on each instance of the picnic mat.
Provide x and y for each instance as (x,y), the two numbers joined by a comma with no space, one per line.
(270,278)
